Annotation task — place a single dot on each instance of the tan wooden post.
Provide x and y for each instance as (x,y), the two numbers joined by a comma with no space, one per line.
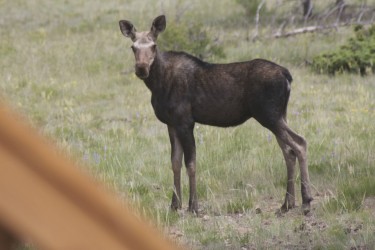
(46,199)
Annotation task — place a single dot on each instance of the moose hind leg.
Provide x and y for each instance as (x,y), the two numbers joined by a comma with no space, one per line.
(299,146)
(305,179)
(290,160)
(176,158)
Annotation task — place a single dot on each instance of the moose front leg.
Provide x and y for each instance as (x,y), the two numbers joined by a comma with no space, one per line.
(186,136)
(176,158)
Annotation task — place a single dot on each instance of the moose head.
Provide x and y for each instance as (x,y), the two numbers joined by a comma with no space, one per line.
(144,44)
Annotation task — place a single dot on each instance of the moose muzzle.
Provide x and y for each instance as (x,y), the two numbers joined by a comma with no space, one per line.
(142,70)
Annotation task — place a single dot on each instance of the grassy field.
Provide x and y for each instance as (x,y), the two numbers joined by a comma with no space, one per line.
(68,69)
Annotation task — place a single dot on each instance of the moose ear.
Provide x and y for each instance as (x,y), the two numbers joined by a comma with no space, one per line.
(127,29)
(158,26)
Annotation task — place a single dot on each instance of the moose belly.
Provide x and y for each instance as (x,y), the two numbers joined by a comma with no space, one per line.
(224,115)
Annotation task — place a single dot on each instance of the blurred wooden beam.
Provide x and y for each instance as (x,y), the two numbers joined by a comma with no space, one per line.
(48,200)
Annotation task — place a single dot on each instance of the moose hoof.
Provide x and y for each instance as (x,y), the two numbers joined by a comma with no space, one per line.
(193,207)
(193,210)
(306,208)
(287,206)
(176,204)
(174,207)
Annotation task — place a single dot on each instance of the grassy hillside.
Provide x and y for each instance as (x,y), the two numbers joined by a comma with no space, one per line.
(68,69)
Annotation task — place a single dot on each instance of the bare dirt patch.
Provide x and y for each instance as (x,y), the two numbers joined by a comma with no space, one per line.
(262,227)
(369,205)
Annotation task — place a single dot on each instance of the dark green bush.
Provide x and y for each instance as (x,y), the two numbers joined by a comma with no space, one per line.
(193,39)
(356,56)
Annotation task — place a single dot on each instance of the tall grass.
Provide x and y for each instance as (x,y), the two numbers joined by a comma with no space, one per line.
(67,68)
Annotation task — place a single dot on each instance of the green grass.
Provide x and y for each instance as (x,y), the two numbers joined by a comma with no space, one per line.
(68,69)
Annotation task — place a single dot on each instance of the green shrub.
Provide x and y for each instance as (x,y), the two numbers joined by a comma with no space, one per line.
(250,6)
(356,56)
(193,39)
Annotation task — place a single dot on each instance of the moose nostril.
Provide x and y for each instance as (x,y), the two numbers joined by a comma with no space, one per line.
(140,69)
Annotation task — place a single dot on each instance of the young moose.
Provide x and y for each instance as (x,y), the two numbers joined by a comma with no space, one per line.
(186,90)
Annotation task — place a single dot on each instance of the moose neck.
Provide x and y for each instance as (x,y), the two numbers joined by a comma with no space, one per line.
(156,74)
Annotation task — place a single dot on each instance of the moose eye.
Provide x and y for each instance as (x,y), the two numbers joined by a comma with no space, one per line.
(153,47)
(133,48)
